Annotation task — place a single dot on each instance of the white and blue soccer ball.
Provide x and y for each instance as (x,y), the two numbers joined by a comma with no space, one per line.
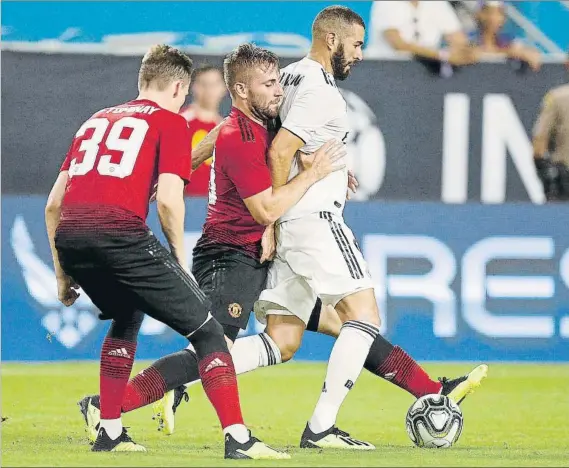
(434,421)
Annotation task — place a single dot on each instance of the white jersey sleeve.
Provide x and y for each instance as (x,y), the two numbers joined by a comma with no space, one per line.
(307,114)
(315,111)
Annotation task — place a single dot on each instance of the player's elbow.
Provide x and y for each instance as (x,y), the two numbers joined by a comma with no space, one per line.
(263,207)
(264,217)
(53,204)
(270,212)
(169,193)
(165,205)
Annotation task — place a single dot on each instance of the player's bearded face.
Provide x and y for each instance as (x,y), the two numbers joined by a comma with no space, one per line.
(348,53)
(265,108)
(265,95)
(340,65)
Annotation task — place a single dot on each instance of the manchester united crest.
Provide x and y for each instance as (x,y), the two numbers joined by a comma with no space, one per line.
(235,310)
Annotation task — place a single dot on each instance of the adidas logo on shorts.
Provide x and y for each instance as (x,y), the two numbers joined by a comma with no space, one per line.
(119,353)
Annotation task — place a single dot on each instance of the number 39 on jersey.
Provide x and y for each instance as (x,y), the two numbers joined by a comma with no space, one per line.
(113,140)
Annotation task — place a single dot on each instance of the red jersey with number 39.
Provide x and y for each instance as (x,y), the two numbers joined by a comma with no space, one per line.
(239,171)
(115,159)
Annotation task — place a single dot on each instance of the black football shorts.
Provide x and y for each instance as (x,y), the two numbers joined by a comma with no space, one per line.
(232,280)
(125,272)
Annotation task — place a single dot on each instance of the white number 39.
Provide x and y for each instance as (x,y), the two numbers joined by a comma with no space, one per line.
(129,147)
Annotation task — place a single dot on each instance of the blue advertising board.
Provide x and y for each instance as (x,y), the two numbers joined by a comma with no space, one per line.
(453,282)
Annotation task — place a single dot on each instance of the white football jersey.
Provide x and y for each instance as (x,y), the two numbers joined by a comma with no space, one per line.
(314,110)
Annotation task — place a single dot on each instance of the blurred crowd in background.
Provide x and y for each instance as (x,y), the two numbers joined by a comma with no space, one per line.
(428,43)
(443,35)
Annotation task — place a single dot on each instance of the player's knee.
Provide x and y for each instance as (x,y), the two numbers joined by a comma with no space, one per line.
(126,327)
(287,342)
(360,306)
(209,338)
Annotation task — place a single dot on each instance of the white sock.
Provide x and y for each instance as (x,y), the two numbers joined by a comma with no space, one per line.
(344,367)
(252,352)
(113,427)
(255,351)
(238,431)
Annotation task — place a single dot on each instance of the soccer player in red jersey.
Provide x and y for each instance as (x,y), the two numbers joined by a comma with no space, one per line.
(227,260)
(95,219)
(207,91)
(282,336)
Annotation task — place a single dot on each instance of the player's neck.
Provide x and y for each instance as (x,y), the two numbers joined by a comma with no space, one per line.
(321,57)
(154,97)
(248,113)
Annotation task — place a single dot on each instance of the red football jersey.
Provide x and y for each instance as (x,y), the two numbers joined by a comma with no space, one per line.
(239,171)
(199,185)
(115,159)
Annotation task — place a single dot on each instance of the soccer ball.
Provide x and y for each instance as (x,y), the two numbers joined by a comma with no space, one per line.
(434,421)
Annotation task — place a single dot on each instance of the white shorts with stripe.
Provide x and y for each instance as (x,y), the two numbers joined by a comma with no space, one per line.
(317,255)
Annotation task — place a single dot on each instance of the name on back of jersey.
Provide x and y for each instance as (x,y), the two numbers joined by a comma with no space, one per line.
(132,109)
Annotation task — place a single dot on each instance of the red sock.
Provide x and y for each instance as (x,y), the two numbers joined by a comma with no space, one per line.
(145,388)
(402,370)
(117,357)
(220,385)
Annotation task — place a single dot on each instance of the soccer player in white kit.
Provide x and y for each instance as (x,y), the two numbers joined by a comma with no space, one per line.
(316,253)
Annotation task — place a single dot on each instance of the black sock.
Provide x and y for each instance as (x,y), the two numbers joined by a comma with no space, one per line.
(380,350)
(178,368)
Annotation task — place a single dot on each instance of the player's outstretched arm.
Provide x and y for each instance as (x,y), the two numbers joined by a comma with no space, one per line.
(67,293)
(204,150)
(269,205)
(171,212)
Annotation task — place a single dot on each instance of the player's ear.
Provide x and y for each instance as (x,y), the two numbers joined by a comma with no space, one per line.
(178,88)
(240,90)
(331,39)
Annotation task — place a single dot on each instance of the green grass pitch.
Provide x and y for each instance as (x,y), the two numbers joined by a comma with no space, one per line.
(519,417)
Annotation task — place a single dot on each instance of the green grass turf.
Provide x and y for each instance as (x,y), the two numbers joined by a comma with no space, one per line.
(519,417)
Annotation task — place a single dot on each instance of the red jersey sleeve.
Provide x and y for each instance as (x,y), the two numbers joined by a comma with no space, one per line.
(246,166)
(67,161)
(174,148)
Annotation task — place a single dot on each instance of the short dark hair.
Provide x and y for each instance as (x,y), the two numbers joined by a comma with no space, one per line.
(205,68)
(333,18)
(242,59)
(163,64)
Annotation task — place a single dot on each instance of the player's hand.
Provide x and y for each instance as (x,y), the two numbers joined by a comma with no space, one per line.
(326,159)
(268,244)
(352,184)
(67,290)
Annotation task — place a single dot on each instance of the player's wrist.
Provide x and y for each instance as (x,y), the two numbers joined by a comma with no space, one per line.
(312,175)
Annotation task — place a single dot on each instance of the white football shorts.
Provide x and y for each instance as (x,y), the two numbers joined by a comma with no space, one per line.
(316,256)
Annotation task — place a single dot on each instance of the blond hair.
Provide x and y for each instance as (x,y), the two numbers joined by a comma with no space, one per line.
(243,59)
(162,65)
